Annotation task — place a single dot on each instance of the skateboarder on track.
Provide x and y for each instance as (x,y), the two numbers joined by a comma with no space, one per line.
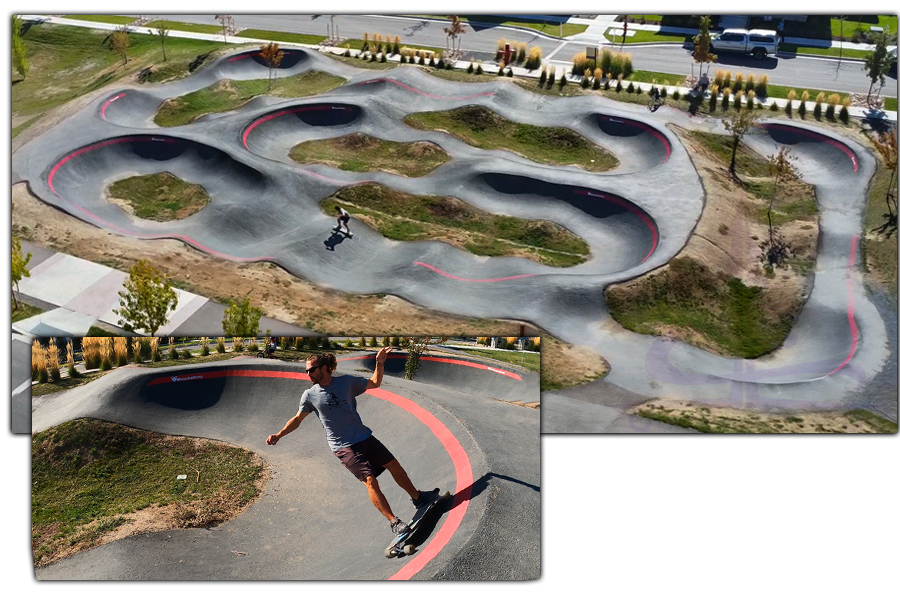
(333,399)
(343,219)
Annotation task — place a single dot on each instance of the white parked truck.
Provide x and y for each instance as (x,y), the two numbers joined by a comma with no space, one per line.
(758,42)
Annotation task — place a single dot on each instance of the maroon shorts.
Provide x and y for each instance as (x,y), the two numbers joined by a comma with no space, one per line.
(366,458)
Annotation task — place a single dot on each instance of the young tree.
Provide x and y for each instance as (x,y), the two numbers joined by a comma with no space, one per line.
(241,319)
(227,21)
(146,301)
(19,267)
(887,147)
(416,347)
(19,55)
(453,32)
(272,55)
(739,124)
(877,64)
(780,166)
(162,30)
(119,42)
(701,51)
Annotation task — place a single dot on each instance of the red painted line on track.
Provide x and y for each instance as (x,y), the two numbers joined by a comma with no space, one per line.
(414,90)
(854,332)
(108,102)
(632,208)
(820,137)
(445,360)
(128,233)
(269,117)
(457,453)
(452,277)
(647,128)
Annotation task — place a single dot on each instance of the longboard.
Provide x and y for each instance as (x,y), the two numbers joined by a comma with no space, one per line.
(400,543)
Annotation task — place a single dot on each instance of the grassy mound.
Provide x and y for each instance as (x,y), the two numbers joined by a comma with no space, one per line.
(228,95)
(719,309)
(363,153)
(401,216)
(485,129)
(161,197)
(88,475)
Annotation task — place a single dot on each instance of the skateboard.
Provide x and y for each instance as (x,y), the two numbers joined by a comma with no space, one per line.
(401,543)
(336,228)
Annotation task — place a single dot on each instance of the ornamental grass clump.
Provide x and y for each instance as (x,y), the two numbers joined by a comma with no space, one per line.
(713,97)
(120,350)
(833,100)
(534,59)
(751,99)
(70,358)
(844,114)
(136,350)
(53,361)
(154,350)
(789,106)
(804,97)
(817,109)
(726,98)
(39,362)
(762,86)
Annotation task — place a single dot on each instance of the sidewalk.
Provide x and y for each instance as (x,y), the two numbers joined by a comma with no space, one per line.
(77,294)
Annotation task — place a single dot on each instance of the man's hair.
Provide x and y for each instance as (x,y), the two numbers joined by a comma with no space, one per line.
(324,359)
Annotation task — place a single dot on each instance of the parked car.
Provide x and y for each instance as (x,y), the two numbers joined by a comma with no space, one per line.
(758,42)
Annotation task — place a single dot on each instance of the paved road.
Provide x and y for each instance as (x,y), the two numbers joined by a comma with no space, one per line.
(799,72)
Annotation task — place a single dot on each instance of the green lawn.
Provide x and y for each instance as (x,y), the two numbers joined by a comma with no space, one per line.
(887,22)
(24,311)
(69,62)
(483,128)
(542,27)
(643,37)
(111,19)
(528,360)
(362,153)
(191,27)
(291,38)
(228,95)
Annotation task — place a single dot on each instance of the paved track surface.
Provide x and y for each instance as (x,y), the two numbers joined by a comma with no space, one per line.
(314,519)
(635,218)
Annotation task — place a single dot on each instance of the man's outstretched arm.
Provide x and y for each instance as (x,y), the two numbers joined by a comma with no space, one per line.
(291,425)
(380,358)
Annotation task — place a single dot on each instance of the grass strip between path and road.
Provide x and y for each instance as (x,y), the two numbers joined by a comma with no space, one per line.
(549,28)
(88,476)
(528,360)
(485,129)
(109,19)
(359,152)
(715,419)
(24,311)
(406,217)
(227,95)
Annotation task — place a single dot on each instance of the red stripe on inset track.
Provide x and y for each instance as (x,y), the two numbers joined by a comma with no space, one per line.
(455,450)
(854,332)
(443,360)
(463,482)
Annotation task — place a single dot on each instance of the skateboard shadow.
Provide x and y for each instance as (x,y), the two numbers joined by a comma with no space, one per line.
(334,240)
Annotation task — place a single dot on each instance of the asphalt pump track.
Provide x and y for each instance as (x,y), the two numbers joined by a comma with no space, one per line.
(635,218)
(314,519)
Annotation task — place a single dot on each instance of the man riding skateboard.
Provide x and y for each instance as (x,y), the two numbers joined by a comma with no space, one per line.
(333,399)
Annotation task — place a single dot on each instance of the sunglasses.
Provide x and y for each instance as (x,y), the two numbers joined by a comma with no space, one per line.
(313,368)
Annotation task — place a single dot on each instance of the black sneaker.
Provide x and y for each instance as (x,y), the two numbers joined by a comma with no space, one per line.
(426,497)
(399,528)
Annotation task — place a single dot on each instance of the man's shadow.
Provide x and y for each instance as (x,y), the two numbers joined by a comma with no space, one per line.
(336,238)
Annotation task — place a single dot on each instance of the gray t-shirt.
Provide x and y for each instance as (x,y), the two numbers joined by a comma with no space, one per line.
(335,405)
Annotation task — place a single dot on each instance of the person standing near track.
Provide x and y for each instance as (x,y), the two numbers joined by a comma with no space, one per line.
(333,399)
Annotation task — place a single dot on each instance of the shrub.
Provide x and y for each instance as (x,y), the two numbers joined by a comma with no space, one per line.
(833,100)
(325,342)
(749,84)
(562,81)
(639,90)
(220,345)
(663,92)
(619,84)
(738,83)
(738,99)
(501,46)
(186,354)
(386,341)
(751,99)
(543,77)
(585,82)
(713,97)
(478,69)
(500,70)
(773,107)
(596,84)
(509,72)
(534,59)
(845,112)
(726,98)
(726,79)
(440,63)
(431,62)
(676,95)
(630,88)
(383,57)
(471,68)
(402,59)
(395,341)
(719,79)
(789,107)
(551,77)
(762,86)
(521,47)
